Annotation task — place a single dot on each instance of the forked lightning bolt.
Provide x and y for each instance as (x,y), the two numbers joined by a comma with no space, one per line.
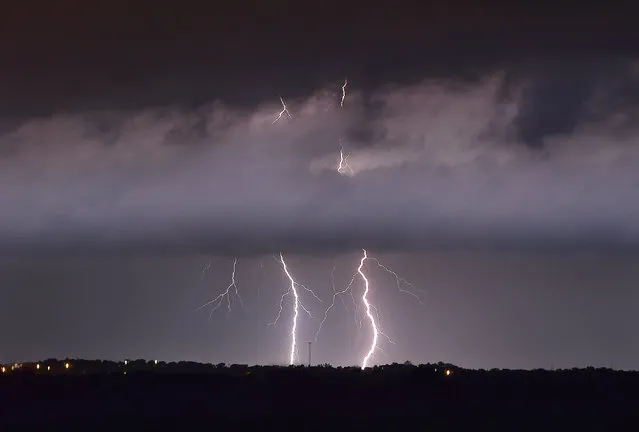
(281,113)
(335,295)
(369,313)
(343,167)
(217,301)
(297,304)
(348,289)
(400,280)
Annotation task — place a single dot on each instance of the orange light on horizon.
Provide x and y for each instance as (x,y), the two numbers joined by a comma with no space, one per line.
(448,372)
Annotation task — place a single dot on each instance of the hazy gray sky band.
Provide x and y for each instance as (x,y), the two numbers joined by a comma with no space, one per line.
(438,164)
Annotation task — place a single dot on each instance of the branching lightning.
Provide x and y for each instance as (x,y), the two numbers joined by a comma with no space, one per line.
(297,304)
(371,317)
(371,311)
(343,167)
(400,280)
(335,295)
(281,113)
(217,301)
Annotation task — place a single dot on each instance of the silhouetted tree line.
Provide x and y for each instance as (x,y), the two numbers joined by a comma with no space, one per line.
(152,391)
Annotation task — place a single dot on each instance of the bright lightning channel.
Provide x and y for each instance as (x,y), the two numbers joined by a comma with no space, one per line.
(217,301)
(348,289)
(281,113)
(341,102)
(297,304)
(371,317)
(343,167)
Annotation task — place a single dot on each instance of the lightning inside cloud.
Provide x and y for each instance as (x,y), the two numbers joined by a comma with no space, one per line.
(281,113)
(341,102)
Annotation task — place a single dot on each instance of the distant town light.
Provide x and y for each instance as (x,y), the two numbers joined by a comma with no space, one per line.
(38,366)
(448,372)
(156,362)
(3,369)
(67,365)
(48,368)
(126,362)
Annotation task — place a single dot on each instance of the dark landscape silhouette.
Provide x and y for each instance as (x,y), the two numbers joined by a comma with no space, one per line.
(148,393)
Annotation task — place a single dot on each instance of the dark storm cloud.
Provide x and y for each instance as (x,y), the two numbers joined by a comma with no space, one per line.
(439,163)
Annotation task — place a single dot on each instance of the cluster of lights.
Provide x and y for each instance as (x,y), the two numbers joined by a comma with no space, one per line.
(16,366)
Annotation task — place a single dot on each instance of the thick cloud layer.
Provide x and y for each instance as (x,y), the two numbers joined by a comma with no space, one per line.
(434,164)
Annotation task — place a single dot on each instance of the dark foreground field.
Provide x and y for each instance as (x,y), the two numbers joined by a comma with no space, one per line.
(395,397)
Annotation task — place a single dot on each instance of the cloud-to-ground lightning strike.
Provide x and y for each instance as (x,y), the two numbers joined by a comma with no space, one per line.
(281,113)
(371,312)
(370,309)
(297,304)
(367,304)
(217,301)
(340,294)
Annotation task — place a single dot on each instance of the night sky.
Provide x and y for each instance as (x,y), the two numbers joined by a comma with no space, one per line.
(492,162)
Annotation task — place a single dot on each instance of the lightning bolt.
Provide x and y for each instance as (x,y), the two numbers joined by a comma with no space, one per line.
(217,301)
(297,304)
(400,280)
(281,113)
(341,103)
(335,295)
(371,317)
(343,167)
